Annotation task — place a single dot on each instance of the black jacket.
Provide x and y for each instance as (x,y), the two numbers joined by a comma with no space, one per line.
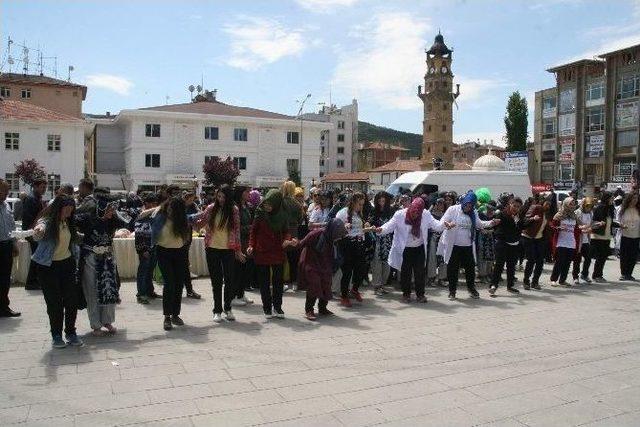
(509,230)
(30,210)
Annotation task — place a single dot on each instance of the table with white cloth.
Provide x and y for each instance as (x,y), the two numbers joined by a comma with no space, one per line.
(124,252)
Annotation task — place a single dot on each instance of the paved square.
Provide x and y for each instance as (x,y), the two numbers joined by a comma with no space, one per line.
(548,358)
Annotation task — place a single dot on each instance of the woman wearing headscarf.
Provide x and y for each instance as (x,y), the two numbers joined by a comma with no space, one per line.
(294,211)
(601,234)
(486,244)
(585,215)
(410,228)
(436,269)
(566,240)
(268,239)
(382,213)
(457,243)
(243,268)
(316,266)
(629,219)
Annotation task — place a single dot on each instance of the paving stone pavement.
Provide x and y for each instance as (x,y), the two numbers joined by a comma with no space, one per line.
(554,357)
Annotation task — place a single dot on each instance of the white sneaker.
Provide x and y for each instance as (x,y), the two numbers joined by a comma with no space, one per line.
(279,314)
(229,315)
(237,302)
(554,284)
(268,315)
(217,317)
(576,282)
(246,300)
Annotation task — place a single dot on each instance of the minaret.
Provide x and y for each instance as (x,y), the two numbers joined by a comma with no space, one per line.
(438,98)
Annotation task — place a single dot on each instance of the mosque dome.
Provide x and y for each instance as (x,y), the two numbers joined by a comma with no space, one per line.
(489,162)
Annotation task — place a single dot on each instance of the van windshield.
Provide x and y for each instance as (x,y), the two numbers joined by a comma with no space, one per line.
(395,189)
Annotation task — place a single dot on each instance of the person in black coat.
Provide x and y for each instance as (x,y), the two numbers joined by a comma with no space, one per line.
(31,208)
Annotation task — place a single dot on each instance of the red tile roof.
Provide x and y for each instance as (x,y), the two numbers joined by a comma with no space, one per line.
(31,79)
(346,177)
(18,110)
(384,146)
(400,166)
(218,108)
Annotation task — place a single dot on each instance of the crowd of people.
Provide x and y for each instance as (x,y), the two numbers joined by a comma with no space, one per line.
(329,244)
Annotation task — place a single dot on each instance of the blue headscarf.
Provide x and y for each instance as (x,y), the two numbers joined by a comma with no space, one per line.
(471,198)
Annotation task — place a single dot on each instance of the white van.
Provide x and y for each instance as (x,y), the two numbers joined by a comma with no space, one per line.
(461,181)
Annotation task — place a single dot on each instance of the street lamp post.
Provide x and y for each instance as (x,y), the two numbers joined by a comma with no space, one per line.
(304,100)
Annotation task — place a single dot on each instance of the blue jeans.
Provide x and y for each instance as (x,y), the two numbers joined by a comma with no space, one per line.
(144,277)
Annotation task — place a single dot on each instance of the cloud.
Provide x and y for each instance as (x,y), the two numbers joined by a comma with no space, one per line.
(256,42)
(117,84)
(387,61)
(474,90)
(325,6)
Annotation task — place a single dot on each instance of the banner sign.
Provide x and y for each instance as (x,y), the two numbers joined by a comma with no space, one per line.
(517,161)
(627,114)
(613,186)
(594,146)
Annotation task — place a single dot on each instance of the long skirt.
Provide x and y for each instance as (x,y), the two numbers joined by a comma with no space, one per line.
(99,315)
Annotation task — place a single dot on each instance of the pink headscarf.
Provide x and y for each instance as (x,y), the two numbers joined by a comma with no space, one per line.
(414,215)
(254,198)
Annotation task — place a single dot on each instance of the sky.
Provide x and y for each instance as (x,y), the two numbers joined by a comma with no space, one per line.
(270,53)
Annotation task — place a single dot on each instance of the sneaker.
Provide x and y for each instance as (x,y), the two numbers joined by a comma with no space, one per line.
(536,286)
(356,296)
(246,300)
(421,300)
(586,279)
(526,284)
(406,298)
(325,312)
(492,290)
(110,328)
(143,300)
(229,316)
(73,340)
(176,320)
(58,342)
(345,302)
(237,302)
(378,291)
(268,315)
(452,297)
(154,295)
(474,295)
(622,278)
(310,315)
(193,295)
(554,284)
(576,282)
(217,317)
(513,290)
(631,278)
(279,313)
(167,324)
(599,280)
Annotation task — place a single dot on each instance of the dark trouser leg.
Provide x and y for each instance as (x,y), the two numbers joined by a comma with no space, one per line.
(599,251)
(586,256)
(501,258)
(186,271)
(52,291)
(564,257)
(453,269)
(6,263)
(348,266)
(278,286)
(141,275)
(512,256)
(239,278)
(405,271)
(416,265)
(171,266)
(628,253)
(322,304)
(309,303)
(575,273)
(263,275)
(214,264)
(153,261)
(227,270)
(70,294)
(539,250)
(32,275)
(469,264)
(292,256)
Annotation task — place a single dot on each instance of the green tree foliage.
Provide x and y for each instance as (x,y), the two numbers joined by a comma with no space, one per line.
(516,122)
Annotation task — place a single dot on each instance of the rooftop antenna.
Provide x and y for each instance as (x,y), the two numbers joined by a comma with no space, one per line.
(25,60)
(70,70)
(9,57)
(191,89)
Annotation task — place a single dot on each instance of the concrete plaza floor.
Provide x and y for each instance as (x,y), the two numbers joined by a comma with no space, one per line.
(555,357)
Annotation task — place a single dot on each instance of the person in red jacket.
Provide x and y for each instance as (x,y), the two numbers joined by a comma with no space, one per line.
(267,241)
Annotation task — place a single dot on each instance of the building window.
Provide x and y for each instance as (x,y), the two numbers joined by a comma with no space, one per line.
(26,93)
(340,124)
(11,141)
(567,124)
(567,100)
(152,130)
(293,165)
(627,138)
(53,182)
(240,134)
(5,92)
(341,137)
(340,150)
(594,91)
(565,172)
(623,168)
(211,132)
(152,160)
(547,174)
(548,128)
(626,114)
(293,137)
(594,119)
(207,159)
(240,163)
(548,103)
(13,181)
(628,86)
(340,163)
(53,142)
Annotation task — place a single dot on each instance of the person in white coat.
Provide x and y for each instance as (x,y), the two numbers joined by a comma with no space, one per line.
(410,227)
(456,243)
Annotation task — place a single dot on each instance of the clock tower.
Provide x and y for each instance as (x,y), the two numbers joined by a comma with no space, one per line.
(438,98)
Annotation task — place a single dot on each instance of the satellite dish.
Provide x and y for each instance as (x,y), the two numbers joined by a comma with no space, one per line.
(191,88)
(199,88)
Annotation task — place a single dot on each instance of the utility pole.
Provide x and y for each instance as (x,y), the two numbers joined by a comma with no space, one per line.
(304,100)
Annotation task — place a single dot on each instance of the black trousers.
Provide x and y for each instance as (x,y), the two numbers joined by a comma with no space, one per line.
(293,255)
(310,302)
(171,262)
(505,255)
(220,264)
(563,258)
(585,254)
(187,271)
(270,276)
(6,263)
(535,251)
(628,255)
(61,293)
(600,251)
(461,256)
(242,276)
(353,267)
(32,275)
(413,262)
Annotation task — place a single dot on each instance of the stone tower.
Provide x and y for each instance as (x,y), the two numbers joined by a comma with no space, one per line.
(437,126)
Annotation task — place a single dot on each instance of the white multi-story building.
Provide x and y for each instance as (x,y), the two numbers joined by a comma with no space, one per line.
(338,145)
(56,140)
(168,144)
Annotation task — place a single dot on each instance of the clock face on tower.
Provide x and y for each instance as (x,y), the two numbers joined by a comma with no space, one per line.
(444,69)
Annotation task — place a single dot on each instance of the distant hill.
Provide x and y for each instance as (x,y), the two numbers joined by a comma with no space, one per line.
(368,132)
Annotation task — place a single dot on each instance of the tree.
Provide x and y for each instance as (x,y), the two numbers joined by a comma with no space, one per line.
(294,175)
(516,122)
(29,170)
(218,172)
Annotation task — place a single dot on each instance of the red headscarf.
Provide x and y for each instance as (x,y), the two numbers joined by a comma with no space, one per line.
(414,215)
